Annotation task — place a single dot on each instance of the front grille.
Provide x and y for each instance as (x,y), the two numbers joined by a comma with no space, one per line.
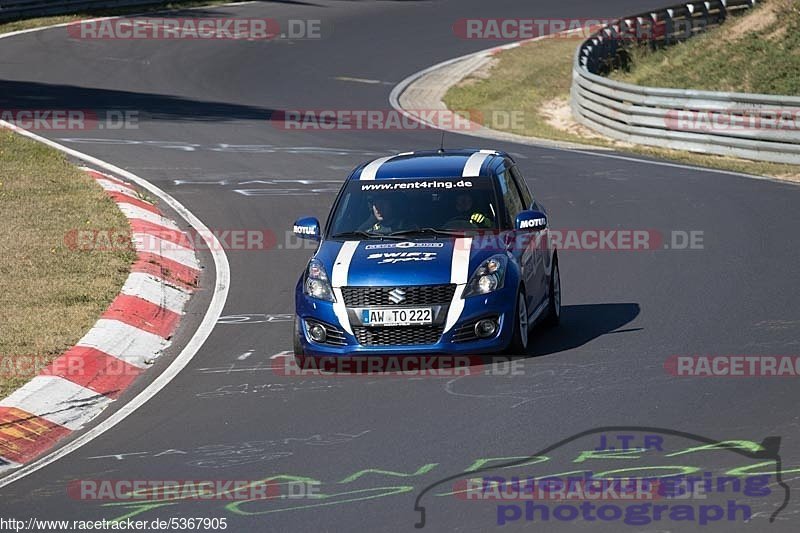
(335,337)
(415,295)
(399,335)
(465,333)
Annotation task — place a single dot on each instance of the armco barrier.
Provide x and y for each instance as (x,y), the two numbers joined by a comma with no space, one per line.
(17,9)
(751,126)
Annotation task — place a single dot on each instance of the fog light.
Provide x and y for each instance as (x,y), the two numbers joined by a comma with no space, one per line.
(485,328)
(316,332)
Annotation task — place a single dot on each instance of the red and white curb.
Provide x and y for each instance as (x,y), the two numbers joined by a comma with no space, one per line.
(134,330)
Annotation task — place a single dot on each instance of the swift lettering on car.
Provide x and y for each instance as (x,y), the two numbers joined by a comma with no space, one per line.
(402,257)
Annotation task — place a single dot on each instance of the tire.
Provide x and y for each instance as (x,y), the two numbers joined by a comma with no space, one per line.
(519,340)
(554,299)
(297,346)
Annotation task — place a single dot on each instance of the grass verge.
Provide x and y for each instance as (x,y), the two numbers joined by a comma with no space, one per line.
(50,294)
(534,79)
(756,53)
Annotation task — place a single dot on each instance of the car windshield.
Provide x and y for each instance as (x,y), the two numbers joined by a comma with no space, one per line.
(447,206)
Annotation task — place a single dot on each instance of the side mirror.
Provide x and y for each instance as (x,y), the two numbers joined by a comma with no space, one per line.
(307,228)
(531,220)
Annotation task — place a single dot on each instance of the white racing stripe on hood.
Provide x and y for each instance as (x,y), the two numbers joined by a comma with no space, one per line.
(369,171)
(341,267)
(472,168)
(459,274)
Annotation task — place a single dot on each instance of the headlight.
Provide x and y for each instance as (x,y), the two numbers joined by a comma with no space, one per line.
(317,284)
(488,277)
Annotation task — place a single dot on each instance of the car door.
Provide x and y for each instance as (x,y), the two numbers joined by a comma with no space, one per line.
(537,288)
(524,255)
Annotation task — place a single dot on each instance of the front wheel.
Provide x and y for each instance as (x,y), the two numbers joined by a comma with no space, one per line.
(554,300)
(519,341)
(297,345)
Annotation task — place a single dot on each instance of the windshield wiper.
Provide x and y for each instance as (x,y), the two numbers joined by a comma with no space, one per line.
(429,231)
(363,235)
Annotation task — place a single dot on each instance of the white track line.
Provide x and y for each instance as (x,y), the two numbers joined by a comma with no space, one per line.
(218,298)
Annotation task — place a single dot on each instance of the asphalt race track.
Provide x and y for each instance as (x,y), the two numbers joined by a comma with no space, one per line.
(375,443)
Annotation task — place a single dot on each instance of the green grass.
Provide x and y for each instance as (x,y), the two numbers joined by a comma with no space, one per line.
(50,294)
(756,53)
(522,80)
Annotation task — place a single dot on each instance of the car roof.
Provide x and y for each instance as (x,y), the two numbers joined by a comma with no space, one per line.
(430,164)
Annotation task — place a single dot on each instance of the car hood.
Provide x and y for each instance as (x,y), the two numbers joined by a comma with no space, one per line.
(387,262)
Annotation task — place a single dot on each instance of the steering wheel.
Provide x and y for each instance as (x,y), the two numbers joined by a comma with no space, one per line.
(459,222)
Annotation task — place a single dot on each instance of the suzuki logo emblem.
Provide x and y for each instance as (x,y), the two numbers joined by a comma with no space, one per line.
(397,295)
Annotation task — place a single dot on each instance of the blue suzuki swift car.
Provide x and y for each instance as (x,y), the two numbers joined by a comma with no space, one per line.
(439,252)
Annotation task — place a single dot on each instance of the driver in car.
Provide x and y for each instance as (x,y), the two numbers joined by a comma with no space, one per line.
(382,218)
(466,211)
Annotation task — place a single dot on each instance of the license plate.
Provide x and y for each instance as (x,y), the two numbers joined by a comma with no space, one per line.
(397,317)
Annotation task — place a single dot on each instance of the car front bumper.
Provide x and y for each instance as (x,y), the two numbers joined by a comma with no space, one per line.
(500,304)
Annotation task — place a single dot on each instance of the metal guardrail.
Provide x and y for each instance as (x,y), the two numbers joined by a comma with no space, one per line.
(19,9)
(751,126)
